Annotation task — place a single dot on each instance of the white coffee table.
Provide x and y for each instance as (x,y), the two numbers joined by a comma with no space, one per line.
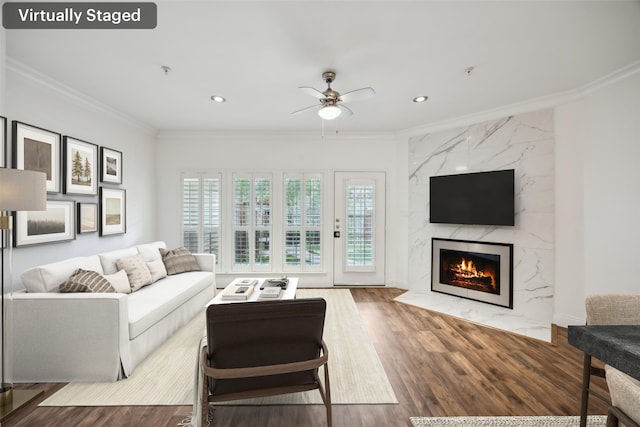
(289,293)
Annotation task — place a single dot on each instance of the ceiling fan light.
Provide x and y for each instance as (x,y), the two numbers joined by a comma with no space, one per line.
(329,112)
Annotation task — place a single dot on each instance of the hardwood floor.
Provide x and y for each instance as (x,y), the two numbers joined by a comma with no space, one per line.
(438,366)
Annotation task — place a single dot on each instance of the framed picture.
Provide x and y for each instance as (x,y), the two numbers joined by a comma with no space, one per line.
(80,160)
(113,213)
(56,224)
(3,142)
(110,165)
(37,149)
(87,218)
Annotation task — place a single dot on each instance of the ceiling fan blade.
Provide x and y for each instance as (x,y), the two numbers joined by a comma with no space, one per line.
(358,95)
(306,108)
(346,111)
(313,92)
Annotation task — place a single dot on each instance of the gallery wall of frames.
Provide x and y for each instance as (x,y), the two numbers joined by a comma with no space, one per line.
(84,184)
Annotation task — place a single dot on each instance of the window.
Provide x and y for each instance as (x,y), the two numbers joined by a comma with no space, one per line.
(245,241)
(252,222)
(303,222)
(201,213)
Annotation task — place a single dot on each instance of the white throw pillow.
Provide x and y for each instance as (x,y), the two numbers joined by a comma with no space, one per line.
(119,281)
(137,271)
(150,251)
(157,269)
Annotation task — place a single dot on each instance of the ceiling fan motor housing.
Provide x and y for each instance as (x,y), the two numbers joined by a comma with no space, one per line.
(329,76)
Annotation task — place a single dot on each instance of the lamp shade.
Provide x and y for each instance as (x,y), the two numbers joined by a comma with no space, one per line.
(22,190)
(329,112)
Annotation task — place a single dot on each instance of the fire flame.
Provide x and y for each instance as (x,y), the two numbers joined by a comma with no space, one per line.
(467,269)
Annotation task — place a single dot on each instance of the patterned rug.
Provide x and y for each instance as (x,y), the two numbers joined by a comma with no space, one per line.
(549,421)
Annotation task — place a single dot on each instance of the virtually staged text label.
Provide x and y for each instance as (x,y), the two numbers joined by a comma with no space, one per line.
(79,15)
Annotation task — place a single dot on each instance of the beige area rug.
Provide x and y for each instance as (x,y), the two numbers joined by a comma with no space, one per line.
(592,421)
(166,377)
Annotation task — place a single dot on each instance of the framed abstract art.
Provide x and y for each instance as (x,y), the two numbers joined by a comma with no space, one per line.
(37,149)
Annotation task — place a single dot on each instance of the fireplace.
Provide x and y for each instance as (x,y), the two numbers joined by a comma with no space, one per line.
(480,271)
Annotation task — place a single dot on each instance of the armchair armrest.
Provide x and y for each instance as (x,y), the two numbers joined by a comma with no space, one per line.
(259,371)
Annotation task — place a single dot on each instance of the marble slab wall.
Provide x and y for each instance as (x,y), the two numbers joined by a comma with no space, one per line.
(522,142)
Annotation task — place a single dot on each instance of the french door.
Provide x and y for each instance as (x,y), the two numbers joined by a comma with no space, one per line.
(359,228)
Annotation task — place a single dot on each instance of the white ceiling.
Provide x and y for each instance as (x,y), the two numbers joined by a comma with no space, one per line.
(257,53)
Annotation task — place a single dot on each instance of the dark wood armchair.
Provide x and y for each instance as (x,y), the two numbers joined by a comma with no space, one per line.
(266,348)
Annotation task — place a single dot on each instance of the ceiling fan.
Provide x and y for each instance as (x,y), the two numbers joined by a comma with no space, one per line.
(331,102)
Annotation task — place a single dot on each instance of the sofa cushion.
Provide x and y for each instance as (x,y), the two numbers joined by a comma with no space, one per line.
(137,271)
(119,281)
(157,269)
(150,251)
(153,303)
(86,281)
(179,260)
(108,259)
(48,277)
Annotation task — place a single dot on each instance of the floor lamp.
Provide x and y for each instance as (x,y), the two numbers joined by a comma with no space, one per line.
(20,190)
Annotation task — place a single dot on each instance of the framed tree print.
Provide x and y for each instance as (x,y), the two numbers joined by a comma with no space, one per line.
(3,142)
(110,166)
(37,149)
(80,167)
(56,224)
(87,218)
(113,218)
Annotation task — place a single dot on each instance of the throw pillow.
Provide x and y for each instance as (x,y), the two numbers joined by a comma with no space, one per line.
(119,281)
(157,269)
(179,260)
(86,281)
(137,271)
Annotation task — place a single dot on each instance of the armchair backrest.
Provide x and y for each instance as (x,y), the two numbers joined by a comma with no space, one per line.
(263,333)
(613,309)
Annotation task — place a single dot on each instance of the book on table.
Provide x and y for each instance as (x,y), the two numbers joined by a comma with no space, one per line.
(238,292)
(270,293)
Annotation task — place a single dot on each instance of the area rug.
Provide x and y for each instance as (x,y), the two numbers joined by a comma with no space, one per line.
(592,421)
(166,377)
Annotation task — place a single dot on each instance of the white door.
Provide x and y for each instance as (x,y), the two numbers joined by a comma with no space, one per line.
(359,228)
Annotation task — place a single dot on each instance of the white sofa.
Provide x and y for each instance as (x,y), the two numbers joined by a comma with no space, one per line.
(64,337)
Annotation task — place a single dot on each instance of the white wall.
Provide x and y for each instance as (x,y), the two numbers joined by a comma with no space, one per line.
(287,153)
(33,99)
(598,196)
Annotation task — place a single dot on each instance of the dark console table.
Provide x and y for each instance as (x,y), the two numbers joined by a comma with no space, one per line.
(618,346)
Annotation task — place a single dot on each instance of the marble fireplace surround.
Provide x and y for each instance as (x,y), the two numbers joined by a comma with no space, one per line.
(525,143)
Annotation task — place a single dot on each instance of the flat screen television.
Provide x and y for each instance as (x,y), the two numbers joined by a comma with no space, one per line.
(480,198)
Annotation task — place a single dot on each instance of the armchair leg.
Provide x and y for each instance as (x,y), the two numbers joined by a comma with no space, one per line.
(204,401)
(327,394)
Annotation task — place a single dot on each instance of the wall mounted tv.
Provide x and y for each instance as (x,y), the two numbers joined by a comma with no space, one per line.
(481,198)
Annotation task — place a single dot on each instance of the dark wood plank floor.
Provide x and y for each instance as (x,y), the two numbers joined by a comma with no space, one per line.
(438,366)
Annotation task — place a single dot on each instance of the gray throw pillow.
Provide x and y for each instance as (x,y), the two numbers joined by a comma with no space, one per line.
(86,281)
(179,260)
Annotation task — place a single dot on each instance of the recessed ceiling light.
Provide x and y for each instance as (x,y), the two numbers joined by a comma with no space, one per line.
(218,98)
(420,98)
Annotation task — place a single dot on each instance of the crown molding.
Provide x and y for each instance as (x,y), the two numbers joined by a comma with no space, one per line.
(611,78)
(535,104)
(74,95)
